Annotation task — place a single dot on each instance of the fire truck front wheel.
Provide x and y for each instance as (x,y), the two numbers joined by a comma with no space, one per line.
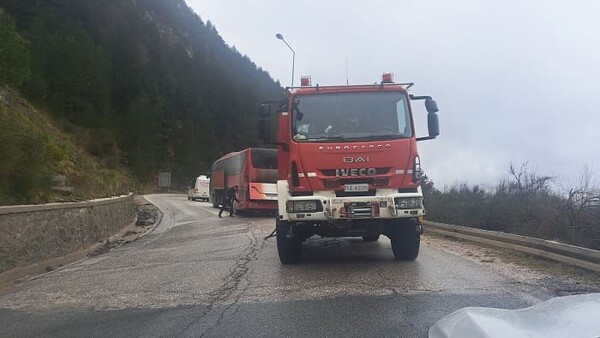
(405,239)
(288,247)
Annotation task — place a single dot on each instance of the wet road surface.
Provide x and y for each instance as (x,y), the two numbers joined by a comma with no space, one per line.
(200,275)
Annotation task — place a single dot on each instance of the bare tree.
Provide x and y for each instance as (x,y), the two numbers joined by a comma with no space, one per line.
(526,203)
(526,182)
(582,208)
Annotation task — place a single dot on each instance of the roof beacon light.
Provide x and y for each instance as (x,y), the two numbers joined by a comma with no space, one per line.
(305,81)
(387,78)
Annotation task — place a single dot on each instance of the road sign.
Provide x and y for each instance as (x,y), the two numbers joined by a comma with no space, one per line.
(164,179)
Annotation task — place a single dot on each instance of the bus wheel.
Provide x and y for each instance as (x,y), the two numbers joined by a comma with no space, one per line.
(289,249)
(405,239)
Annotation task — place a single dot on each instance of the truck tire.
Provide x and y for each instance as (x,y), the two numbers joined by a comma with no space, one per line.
(405,240)
(370,238)
(289,249)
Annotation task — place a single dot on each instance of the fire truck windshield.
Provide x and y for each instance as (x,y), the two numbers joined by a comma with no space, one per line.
(351,116)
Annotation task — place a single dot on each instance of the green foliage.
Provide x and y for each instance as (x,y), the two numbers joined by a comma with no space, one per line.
(71,73)
(142,83)
(33,151)
(146,143)
(14,56)
(25,154)
(23,174)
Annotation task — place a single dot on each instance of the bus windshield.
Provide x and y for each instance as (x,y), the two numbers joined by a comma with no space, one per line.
(342,116)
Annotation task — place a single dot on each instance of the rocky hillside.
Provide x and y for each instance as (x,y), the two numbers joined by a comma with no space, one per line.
(41,163)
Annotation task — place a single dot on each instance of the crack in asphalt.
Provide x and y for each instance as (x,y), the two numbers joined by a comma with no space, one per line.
(234,284)
(251,256)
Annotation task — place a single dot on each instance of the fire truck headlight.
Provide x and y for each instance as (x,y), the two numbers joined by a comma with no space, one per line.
(408,203)
(417,172)
(303,206)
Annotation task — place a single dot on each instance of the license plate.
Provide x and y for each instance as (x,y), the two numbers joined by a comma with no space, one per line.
(356,187)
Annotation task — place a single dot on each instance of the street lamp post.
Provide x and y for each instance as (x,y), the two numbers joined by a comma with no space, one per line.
(280,37)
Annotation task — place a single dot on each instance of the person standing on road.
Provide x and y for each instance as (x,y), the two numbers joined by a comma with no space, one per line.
(230,197)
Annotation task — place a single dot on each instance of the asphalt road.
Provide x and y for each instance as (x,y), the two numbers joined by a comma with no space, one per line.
(199,275)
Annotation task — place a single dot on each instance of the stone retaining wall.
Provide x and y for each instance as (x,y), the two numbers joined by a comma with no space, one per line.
(33,233)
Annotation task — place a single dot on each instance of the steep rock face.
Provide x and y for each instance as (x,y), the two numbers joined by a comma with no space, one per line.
(147,83)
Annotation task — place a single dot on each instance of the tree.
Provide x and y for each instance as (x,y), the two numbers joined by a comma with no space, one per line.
(145,81)
(14,55)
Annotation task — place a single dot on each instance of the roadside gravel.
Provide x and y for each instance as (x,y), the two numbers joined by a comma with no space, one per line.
(557,278)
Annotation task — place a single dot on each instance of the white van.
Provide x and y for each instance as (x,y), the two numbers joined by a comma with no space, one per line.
(199,188)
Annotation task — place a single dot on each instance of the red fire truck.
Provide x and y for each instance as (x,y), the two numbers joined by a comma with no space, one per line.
(254,171)
(348,164)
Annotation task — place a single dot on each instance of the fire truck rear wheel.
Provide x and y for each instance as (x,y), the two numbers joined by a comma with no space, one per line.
(289,249)
(405,240)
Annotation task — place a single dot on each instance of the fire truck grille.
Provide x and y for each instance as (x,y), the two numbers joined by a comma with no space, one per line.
(354,193)
(358,209)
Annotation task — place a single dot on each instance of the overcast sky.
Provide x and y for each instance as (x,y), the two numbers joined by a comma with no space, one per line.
(515,80)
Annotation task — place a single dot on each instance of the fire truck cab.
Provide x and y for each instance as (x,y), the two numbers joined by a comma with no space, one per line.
(348,164)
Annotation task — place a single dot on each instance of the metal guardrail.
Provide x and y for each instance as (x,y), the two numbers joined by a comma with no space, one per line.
(16,209)
(582,257)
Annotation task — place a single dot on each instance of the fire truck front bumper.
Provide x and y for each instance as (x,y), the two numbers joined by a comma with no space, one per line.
(323,207)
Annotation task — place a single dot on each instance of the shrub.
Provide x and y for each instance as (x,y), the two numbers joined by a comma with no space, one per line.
(523,203)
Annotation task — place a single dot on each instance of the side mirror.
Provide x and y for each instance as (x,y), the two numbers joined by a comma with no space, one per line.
(433,124)
(431,106)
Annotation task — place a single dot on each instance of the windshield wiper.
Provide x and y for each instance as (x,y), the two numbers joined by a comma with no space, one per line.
(386,136)
(336,137)
(352,138)
(325,137)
